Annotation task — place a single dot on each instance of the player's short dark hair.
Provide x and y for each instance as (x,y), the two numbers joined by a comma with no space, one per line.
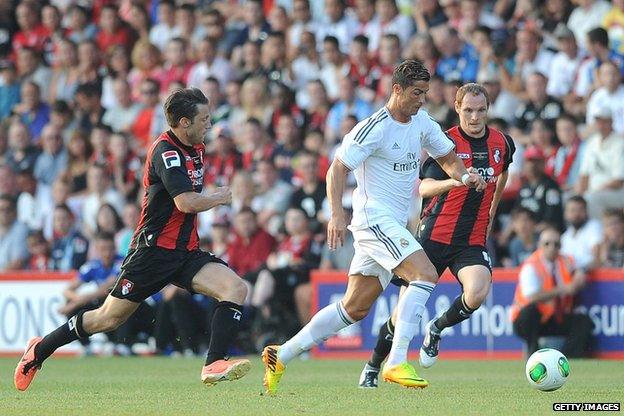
(104,235)
(61,107)
(183,103)
(578,199)
(598,35)
(254,121)
(410,71)
(474,89)
(170,3)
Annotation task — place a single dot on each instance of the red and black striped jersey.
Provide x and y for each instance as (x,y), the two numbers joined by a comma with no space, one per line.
(171,168)
(460,216)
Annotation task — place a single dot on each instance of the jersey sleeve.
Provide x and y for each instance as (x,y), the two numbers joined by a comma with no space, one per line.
(360,143)
(432,169)
(435,141)
(169,166)
(511,149)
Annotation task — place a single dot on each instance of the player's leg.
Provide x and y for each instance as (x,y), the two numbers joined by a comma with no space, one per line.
(370,373)
(218,281)
(476,281)
(107,317)
(361,292)
(422,277)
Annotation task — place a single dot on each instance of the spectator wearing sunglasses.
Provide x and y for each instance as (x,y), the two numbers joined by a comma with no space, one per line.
(544,298)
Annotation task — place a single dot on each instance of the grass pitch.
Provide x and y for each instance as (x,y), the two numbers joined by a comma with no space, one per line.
(164,386)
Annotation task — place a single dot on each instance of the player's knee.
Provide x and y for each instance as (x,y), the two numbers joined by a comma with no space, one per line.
(357,312)
(474,297)
(425,273)
(237,292)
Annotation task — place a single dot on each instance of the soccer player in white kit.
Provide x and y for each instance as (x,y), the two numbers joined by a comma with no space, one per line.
(384,152)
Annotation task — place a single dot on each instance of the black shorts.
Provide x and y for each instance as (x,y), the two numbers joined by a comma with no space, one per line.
(454,257)
(145,271)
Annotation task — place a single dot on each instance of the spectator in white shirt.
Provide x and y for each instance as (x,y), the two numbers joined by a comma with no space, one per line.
(34,201)
(586,16)
(13,234)
(338,24)
(602,173)
(122,115)
(302,22)
(210,64)
(163,31)
(565,64)
(583,236)
(610,94)
(99,192)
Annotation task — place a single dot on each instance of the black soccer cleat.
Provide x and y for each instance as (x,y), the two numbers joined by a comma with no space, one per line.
(369,379)
(430,347)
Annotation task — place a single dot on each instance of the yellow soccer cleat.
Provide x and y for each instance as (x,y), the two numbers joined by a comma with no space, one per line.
(405,375)
(273,369)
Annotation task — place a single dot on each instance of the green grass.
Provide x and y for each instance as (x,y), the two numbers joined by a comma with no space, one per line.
(160,386)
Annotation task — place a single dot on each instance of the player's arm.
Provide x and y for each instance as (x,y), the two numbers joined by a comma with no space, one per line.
(434,181)
(168,165)
(194,202)
(498,193)
(455,168)
(337,226)
(432,187)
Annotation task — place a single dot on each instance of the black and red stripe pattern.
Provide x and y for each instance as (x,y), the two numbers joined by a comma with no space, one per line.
(460,217)
(172,168)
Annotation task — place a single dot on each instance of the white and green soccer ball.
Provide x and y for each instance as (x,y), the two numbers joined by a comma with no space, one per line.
(547,369)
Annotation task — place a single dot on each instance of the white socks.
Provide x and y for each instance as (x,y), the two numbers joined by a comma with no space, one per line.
(327,322)
(410,309)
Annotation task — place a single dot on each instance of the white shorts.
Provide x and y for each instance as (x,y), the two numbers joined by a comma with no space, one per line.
(380,249)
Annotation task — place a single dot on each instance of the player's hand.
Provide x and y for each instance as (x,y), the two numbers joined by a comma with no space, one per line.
(336,230)
(475,181)
(223,194)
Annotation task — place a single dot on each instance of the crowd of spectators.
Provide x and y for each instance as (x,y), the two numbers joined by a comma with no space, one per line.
(82,85)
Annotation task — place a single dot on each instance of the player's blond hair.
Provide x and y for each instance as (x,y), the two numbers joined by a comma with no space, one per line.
(474,89)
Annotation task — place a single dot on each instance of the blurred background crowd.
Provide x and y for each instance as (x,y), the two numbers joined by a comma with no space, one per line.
(82,83)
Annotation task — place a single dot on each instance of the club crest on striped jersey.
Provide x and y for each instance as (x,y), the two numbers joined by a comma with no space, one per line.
(497,155)
(171,158)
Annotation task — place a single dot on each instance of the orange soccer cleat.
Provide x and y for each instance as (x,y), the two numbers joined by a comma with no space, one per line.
(223,370)
(27,367)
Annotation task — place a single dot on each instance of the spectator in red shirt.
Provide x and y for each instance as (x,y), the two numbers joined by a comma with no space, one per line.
(32,33)
(250,246)
(285,281)
(177,66)
(224,160)
(143,128)
(112,30)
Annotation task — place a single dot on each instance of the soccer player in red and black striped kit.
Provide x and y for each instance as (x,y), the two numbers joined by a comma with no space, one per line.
(455,222)
(165,249)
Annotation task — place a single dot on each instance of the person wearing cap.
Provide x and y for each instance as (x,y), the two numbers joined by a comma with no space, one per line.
(539,193)
(565,63)
(601,179)
(609,95)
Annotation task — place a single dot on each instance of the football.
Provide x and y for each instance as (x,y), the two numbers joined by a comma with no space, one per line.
(547,369)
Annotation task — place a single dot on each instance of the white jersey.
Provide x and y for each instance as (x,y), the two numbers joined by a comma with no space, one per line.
(385,157)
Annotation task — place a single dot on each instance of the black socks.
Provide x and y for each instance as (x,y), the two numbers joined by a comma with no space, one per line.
(455,314)
(226,321)
(384,344)
(63,335)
